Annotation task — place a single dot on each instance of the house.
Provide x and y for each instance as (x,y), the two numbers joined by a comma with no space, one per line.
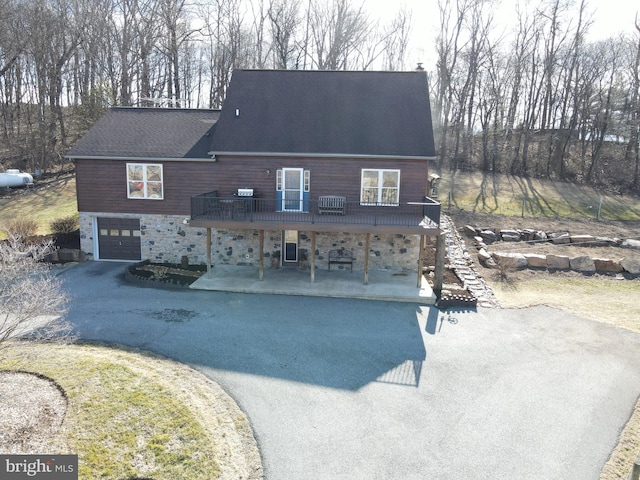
(296,165)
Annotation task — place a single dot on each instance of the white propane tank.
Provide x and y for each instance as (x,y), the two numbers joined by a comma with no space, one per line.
(14,178)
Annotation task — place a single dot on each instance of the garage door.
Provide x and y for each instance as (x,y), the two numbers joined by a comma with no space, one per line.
(119,238)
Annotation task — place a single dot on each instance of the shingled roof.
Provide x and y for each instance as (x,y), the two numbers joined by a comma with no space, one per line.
(326,112)
(149,133)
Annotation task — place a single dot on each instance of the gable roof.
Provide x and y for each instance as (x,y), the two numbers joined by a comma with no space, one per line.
(326,112)
(148,133)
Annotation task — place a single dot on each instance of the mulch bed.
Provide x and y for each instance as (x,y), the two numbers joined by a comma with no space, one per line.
(165,275)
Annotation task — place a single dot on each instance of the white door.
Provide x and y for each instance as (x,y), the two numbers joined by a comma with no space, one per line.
(292,185)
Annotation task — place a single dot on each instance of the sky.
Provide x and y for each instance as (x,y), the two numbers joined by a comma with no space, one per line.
(610,17)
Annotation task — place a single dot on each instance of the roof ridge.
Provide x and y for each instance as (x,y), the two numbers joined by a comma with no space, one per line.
(163,109)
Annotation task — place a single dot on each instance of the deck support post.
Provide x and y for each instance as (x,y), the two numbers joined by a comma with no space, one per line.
(261,254)
(208,252)
(312,257)
(440,255)
(421,259)
(367,246)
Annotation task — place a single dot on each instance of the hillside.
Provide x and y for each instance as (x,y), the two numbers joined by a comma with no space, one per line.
(48,200)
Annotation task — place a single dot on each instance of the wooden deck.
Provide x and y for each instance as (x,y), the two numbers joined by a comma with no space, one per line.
(229,214)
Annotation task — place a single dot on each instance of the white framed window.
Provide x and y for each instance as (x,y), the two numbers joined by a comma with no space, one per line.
(144,181)
(380,187)
(307,180)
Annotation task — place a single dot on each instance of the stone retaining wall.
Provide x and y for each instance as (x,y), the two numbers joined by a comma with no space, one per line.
(582,263)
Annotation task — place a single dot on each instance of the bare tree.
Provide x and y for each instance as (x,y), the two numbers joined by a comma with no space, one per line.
(396,40)
(32,302)
(284,21)
(633,145)
(337,31)
(448,46)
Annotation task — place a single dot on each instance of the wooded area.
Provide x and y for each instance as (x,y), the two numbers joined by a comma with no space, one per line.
(536,98)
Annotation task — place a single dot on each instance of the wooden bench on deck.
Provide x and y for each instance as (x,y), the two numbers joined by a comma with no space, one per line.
(331,204)
(341,257)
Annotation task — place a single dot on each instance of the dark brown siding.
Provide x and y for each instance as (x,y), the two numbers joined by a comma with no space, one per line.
(330,176)
(102,185)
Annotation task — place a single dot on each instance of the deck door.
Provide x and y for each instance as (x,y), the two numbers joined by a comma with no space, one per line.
(292,187)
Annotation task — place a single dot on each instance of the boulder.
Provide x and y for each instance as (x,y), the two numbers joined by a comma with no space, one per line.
(528,234)
(483,255)
(52,257)
(560,238)
(489,236)
(540,236)
(535,260)
(480,242)
(604,242)
(470,231)
(486,259)
(516,260)
(71,255)
(631,243)
(607,265)
(631,265)
(510,235)
(585,240)
(583,263)
(559,262)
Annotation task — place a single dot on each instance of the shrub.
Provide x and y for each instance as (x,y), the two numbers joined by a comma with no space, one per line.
(21,228)
(505,266)
(65,224)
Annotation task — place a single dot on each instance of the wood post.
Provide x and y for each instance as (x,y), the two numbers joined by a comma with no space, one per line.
(440,256)
(261,254)
(367,246)
(421,259)
(208,252)
(312,257)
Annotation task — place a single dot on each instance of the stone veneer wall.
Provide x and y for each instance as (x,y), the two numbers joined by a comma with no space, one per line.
(164,238)
(393,252)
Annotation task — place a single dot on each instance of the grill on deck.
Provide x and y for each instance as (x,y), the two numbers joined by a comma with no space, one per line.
(245,192)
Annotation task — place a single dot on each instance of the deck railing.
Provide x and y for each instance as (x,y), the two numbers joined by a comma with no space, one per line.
(209,206)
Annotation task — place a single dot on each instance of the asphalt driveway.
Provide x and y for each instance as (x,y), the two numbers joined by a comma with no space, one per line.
(360,389)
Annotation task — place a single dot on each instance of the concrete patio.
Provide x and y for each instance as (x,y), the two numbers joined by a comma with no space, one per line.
(338,283)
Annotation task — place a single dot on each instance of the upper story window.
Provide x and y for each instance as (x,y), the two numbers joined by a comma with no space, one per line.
(380,187)
(144,180)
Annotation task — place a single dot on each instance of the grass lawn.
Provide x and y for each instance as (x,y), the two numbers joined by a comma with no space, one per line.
(133,416)
(614,302)
(529,197)
(43,205)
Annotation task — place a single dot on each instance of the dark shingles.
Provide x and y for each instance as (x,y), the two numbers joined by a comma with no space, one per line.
(149,133)
(351,113)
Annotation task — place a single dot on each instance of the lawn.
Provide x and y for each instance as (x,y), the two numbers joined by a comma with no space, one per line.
(530,197)
(131,415)
(42,203)
(604,300)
